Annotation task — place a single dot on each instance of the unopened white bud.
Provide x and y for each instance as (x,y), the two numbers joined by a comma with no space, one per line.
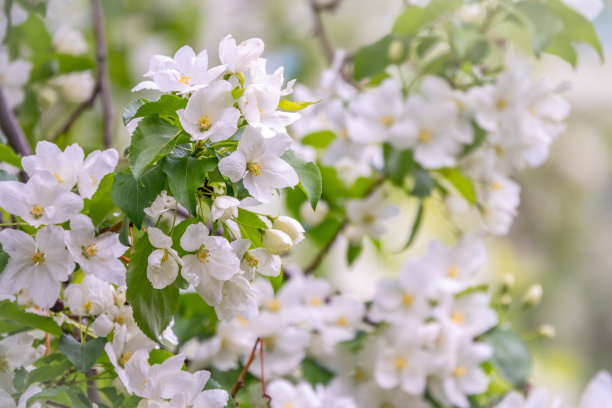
(290,227)
(396,51)
(276,242)
(533,296)
(224,207)
(547,330)
(505,300)
(507,281)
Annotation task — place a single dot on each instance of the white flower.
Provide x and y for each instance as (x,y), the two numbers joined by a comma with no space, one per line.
(40,265)
(276,242)
(284,394)
(212,263)
(96,255)
(162,203)
(238,58)
(536,399)
(378,115)
(290,227)
(163,263)
(184,73)
(224,208)
(64,165)
(257,260)
(210,114)
(257,161)
(500,198)
(470,313)
(97,165)
(16,351)
(68,40)
(75,87)
(598,392)
(13,77)
(367,216)
(237,299)
(91,297)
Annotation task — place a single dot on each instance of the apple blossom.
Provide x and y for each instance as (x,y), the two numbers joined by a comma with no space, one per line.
(224,208)
(163,262)
(238,58)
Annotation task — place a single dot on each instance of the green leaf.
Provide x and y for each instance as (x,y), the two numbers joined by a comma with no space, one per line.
(194,318)
(158,356)
(185,175)
(152,139)
(8,155)
(542,24)
(277,281)
(352,252)
(153,308)
(562,47)
(48,372)
(414,18)
(76,397)
(70,63)
(423,183)
(132,196)
(4,258)
(14,318)
(166,105)
(398,164)
(6,176)
(416,225)
(576,27)
(462,183)
(250,224)
(309,175)
(237,92)
(101,202)
(315,373)
(372,59)
(320,139)
(82,355)
(129,112)
(288,105)
(511,356)
(124,233)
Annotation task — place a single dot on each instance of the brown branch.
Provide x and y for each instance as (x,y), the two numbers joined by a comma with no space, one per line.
(56,404)
(319,28)
(101,57)
(314,264)
(240,381)
(102,86)
(11,128)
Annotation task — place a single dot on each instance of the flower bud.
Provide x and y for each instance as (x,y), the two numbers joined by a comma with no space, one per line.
(276,242)
(396,51)
(547,331)
(290,227)
(507,281)
(533,296)
(506,300)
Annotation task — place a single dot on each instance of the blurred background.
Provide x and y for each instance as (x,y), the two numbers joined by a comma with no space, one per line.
(562,236)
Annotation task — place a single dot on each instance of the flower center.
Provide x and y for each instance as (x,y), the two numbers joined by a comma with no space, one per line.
(59,179)
(459,371)
(125,358)
(453,272)
(400,363)
(164,258)
(342,321)
(90,251)
(4,365)
(269,342)
(38,258)
(204,123)
(501,104)
(288,405)
(316,301)
(185,79)
(360,375)
(457,317)
(387,120)
(369,219)
(203,255)
(407,299)
(274,305)
(254,168)
(37,211)
(88,306)
(499,151)
(425,136)
(251,260)
(497,186)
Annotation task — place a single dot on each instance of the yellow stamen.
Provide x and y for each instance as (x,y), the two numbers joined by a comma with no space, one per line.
(90,251)
(241,320)
(251,260)
(269,342)
(387,120)
(203,256)
(460,104)
(274,305)
(164,257)
(425,136)
(288,405)
(407,299)
(185,79)
(88,306)
(457,317)
(125,358)
(38,258)
(501,104)
(254,168)
(453,272)
(316,301)
(369,219)
(204,123)
(360,375)
(37,211)
(459,371)
(497,186)
(59,179)
(499,151)
(120,319)
(400,363)
(342,321)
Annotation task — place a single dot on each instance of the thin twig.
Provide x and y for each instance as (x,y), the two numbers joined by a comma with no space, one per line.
(11,128)
(102,86)
(56,404)
(101,57)
(319,29)
(240,381)
(314,264)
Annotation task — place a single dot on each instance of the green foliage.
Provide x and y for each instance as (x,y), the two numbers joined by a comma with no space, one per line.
(166,105)
(153,308)
(158,356)
(309,175)
(398,164)
(423,183)
(373,59)
(352,252)
(414,18)
(8,155)
(129,112)
(185,175)
(511,357)
(416,224)
(250,225)
(101,203)
(462,183)
(47,372)
(14,319)
(152,139)
(132,196)
(287,105)
(320,139)
(314,373)
(5,176)
(82,355)
(76,397)
(194,318)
